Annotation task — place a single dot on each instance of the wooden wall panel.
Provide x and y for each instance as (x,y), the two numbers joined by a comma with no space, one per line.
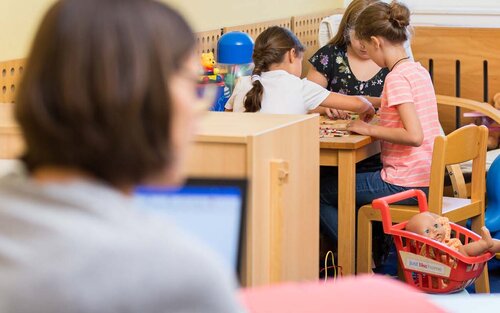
(255,29)
(207,41)
(10,74)
(306,28)
(472,46)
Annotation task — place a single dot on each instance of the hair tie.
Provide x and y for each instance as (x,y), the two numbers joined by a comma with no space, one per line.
(255,78)
(397,23)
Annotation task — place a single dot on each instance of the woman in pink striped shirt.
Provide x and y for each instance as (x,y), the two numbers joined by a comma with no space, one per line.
(408,113)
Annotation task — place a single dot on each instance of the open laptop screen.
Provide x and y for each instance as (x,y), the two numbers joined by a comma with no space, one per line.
(213,210)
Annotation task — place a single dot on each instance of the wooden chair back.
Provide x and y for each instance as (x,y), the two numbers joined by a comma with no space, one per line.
(464,144)
(460,188)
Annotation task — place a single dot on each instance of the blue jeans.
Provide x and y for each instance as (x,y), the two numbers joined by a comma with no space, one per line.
(369,186)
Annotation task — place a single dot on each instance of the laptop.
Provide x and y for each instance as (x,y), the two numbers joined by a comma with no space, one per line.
(212,210)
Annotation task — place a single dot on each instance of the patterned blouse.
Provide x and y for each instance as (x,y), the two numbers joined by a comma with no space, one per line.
(332,62)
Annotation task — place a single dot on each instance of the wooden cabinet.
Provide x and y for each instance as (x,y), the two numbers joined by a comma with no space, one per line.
(279,155)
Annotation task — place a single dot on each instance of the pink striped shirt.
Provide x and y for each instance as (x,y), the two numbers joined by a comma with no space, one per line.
(408,166)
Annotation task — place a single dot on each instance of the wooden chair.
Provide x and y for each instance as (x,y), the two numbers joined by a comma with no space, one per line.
(466,143)
(481,107)
(446,105)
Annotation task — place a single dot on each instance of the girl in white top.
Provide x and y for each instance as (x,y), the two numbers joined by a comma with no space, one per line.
(276,87)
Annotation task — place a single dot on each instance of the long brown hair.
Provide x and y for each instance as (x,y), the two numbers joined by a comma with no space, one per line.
(95,94)
(270,48)
(348,22)
(390,21)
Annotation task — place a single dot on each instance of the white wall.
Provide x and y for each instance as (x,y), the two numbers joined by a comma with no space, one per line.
(456,13)
(19,19)
(463,6)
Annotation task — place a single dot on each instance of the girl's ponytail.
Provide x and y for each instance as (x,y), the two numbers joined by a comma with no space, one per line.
(253,99)
(390,21)
(270,48)
(399,15)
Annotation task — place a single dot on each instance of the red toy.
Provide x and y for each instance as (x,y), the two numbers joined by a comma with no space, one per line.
(429,265)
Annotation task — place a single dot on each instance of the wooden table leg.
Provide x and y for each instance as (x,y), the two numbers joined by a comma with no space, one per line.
(347,211)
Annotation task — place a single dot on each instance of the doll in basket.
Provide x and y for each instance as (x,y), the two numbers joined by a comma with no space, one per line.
(438,228)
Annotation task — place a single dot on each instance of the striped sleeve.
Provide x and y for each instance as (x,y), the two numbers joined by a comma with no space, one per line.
(398,90)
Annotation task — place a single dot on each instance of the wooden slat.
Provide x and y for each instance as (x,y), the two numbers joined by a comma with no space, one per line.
(255,29)
(306,27)
(207,41)
(471,46)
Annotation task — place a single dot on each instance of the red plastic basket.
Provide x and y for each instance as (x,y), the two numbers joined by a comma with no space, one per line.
(427,264)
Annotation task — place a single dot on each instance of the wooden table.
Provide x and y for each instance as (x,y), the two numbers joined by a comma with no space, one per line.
(345,152)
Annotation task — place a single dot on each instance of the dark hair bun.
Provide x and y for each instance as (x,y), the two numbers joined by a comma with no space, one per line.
(399,15)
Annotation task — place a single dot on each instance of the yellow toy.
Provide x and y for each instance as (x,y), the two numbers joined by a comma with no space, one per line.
(210,72)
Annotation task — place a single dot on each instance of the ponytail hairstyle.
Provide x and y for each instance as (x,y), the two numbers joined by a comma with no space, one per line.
(342,38)
(270,48)
(386,20)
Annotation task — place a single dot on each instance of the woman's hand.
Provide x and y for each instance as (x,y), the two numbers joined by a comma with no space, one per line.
(336,114)
(360,127)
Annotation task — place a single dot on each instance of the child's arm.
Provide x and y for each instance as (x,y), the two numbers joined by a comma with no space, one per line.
(375,101)
(316,77)
(331,113)
(320,79)
(411,134)
(356,104)
(479,247)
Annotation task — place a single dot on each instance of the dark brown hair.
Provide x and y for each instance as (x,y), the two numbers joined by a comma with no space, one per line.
(95,95)
(382,19)
(348,22)
(270,48)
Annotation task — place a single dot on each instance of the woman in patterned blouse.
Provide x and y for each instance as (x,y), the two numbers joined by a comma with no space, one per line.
(343,65)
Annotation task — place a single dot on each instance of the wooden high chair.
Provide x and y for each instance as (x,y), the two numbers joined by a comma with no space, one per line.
(464,144)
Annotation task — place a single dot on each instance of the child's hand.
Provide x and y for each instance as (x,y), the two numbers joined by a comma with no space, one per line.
(336,114)
(369,111)
(367,116)
(359,126)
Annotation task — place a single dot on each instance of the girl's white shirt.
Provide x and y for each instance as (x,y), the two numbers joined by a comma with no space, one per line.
(284,93)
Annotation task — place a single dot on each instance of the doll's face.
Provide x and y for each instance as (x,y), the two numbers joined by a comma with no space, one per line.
(426,225)
(433,230)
